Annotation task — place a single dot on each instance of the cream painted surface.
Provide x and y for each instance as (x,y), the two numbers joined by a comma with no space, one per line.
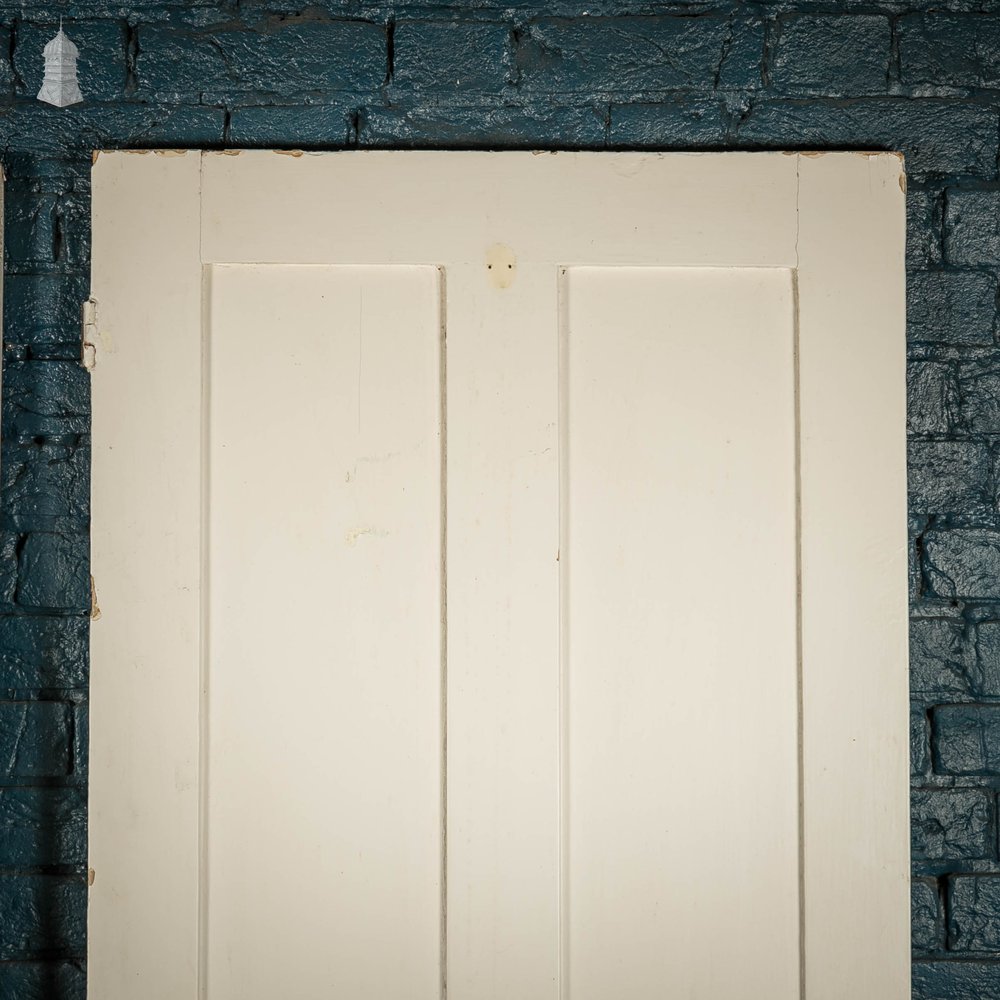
(324,651)
(680,629)
(665,377)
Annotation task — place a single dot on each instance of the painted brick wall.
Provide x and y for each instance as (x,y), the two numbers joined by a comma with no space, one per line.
(812,74)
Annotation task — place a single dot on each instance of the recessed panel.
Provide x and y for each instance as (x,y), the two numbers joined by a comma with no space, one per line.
(324,739)
(679,635)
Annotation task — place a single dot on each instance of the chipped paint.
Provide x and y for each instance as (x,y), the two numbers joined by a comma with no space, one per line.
(95,608)
(289,152)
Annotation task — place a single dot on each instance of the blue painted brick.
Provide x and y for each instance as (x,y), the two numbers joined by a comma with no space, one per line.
(38,652)
(959,50)
(46,223)
(620,55)
(42,916)
(951,478)
(43,826)
(972,228)
(35,739)
(953,659)
(974,913)
(46,485)
(43,981)
(42,308)
(926,916)
(54,572)
(951,307)
(966,739)
(9,542)
(831,54)
(932,397)
(920,742)
(979,390)
(101,68)
(6,70)
(963,563)
(451,57)
(952,824)
(937,137)
(923,228)
(742,53)
(46,399)
(86,127)
(951,980)
(682,122)
(512,126)
(290,56)
(316,126)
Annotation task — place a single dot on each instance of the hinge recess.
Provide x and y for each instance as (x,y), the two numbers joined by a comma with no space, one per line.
(88,334)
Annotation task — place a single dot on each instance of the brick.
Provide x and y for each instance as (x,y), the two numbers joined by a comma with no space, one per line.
(42,916)
(926,917)
(963,563)
(951,307)
(536,126)
(974,913)
(35,739)
(949,49)
(291,56)
(621,55)
(932,397)
(988,656)
(37,652)
(101,68)
(6,70)
(920,742)
(967,739)
(951,980)
(42,308)
(46,485)
(923,228)
(42,981)
(46,399)
(950,478)
(972,228)
(451,57)
(317,126)
(979,390)
(681,123)
(945,658)
(937,137)
(831,54)
(47,223)
(86,127)
(54,572)
(742,54)
(43,826)
(952,824)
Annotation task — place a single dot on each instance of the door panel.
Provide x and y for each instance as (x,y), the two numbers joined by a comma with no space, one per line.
(478,618)
(324,648)
(679,657)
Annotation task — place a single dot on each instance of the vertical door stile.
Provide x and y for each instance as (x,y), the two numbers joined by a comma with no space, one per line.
(503,633)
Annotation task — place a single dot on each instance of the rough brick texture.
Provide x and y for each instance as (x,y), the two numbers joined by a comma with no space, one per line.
(718,74)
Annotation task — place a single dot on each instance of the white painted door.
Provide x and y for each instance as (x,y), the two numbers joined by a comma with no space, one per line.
(479,610)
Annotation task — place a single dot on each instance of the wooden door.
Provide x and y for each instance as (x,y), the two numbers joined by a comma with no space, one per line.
(502,568)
